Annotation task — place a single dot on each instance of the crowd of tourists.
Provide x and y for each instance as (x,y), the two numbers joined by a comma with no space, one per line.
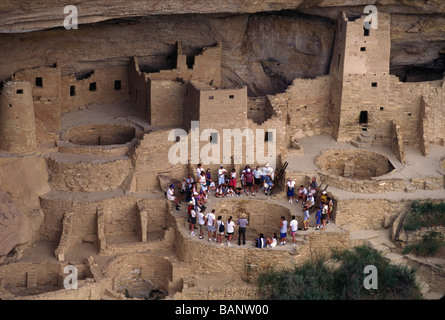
(195,194)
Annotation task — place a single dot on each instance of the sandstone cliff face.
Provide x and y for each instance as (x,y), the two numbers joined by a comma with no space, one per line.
(30,15)
(264,51)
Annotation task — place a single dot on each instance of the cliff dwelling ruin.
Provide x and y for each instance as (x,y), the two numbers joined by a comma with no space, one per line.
(86,118)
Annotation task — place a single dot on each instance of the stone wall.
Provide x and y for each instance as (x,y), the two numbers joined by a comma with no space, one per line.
(98,86)
(166,102)
(305,107)
(368,214)
(46,93)
(17,121)
(151,158)
(87,173)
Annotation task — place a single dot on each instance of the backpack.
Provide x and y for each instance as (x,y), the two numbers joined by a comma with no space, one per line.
(221,228)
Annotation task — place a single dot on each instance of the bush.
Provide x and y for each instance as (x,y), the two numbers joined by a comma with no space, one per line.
(313,281)
(428,246)
(425,214)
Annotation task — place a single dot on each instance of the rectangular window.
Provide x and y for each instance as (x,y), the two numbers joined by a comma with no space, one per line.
(362,48)
(190,61)
(39,82)
(20,91)
(72,91)
(210,97)
(365,32)
(231,96)
(374,84)
(93,86)
(117,85)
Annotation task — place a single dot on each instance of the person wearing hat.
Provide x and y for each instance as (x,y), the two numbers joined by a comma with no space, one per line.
(242,222)
(290,189)
(171,195)
(324,196)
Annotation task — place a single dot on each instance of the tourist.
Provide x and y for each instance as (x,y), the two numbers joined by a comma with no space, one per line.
(314,186)
(220,229)
(318,219)
(243,179)
(230,230)
(330,204)
(290,189)
(201,222)
(203,181)
(302,194)
(182,190)
(249,181)
(324,215)
(171,196)
(310,201)
(232,182)
(324,197)
(305,218)
(190,180)
(219,191)
(192,220)
(199,171)
(221,175)
(210,218)
(260,241)
(209,180)
(212,186)
(257,175)
(272,242)
(283,230)
(242,222)
(293,228)
(230,192)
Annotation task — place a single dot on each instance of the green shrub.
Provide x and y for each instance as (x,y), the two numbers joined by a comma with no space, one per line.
(428,245)
(425,214)
(313,281)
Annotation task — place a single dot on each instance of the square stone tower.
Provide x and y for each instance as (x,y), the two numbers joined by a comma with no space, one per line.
(360,77)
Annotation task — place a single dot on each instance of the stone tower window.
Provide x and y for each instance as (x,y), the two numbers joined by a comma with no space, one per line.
(363,117)
(39,82)
(20,91)
(365,32)
(93,86)
(72,91)
(117,85)
(374,84)
(362,48)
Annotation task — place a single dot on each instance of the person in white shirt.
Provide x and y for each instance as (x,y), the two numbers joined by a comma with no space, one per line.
(210,217)
(230,230)
(221,172)
(290,189)
(293,228)
(257,174)
(302,194)
(171,196)
(201,223)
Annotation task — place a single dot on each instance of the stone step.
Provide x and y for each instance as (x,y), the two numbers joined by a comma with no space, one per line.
(359,144)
